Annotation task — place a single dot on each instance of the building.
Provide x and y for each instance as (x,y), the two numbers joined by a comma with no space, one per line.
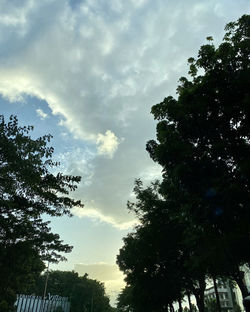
(227,295)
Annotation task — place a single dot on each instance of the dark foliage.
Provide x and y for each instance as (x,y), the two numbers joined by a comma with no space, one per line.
(196,223)
(29,190)
(84,293)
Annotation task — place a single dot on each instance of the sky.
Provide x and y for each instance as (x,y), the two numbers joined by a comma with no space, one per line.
(88,72)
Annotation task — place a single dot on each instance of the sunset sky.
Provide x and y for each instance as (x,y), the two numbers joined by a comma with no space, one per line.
(88,72)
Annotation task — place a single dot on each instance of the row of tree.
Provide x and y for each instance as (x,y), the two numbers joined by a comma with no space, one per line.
(194,224)
(84,294)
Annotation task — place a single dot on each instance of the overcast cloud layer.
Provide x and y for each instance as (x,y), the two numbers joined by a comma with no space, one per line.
(99,66)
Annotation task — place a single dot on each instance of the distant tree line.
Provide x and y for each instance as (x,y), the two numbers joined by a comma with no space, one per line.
(84,294)
(195,223)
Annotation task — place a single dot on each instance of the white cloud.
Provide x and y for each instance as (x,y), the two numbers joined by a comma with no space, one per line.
(107,143)
(41,113)
(97,217)
(14,14)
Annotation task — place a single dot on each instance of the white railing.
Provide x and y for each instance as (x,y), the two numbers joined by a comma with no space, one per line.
(26,303)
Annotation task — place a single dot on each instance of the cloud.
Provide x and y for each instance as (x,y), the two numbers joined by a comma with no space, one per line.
(14,13)
(41,113)
(100,66)
(107,144)
(97,217)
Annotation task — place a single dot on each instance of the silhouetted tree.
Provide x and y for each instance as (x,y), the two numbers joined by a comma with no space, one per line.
(166,267)
(203,146)
(29,190)
(195,224)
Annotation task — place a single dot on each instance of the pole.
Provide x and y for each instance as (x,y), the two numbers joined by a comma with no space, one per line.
(45,286)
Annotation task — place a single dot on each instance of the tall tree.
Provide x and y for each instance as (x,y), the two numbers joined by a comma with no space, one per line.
(167,265)
(203,146)
(29,189)
(142,257)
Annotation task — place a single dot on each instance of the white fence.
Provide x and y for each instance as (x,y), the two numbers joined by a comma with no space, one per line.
(26,303)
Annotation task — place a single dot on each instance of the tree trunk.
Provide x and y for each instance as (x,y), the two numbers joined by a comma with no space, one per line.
(217,295)
(171,307)
(199,294)
(239,279)
(180,306)
(189,302)
(200,302)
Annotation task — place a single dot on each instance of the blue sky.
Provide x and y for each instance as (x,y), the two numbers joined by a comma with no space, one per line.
(88,72)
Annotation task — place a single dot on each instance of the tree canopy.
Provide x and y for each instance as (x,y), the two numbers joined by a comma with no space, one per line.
(203,145)
(199,214)
(30,190)
(84,293)
(168,265)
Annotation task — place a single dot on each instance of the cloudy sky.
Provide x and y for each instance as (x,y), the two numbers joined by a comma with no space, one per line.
(88,72)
